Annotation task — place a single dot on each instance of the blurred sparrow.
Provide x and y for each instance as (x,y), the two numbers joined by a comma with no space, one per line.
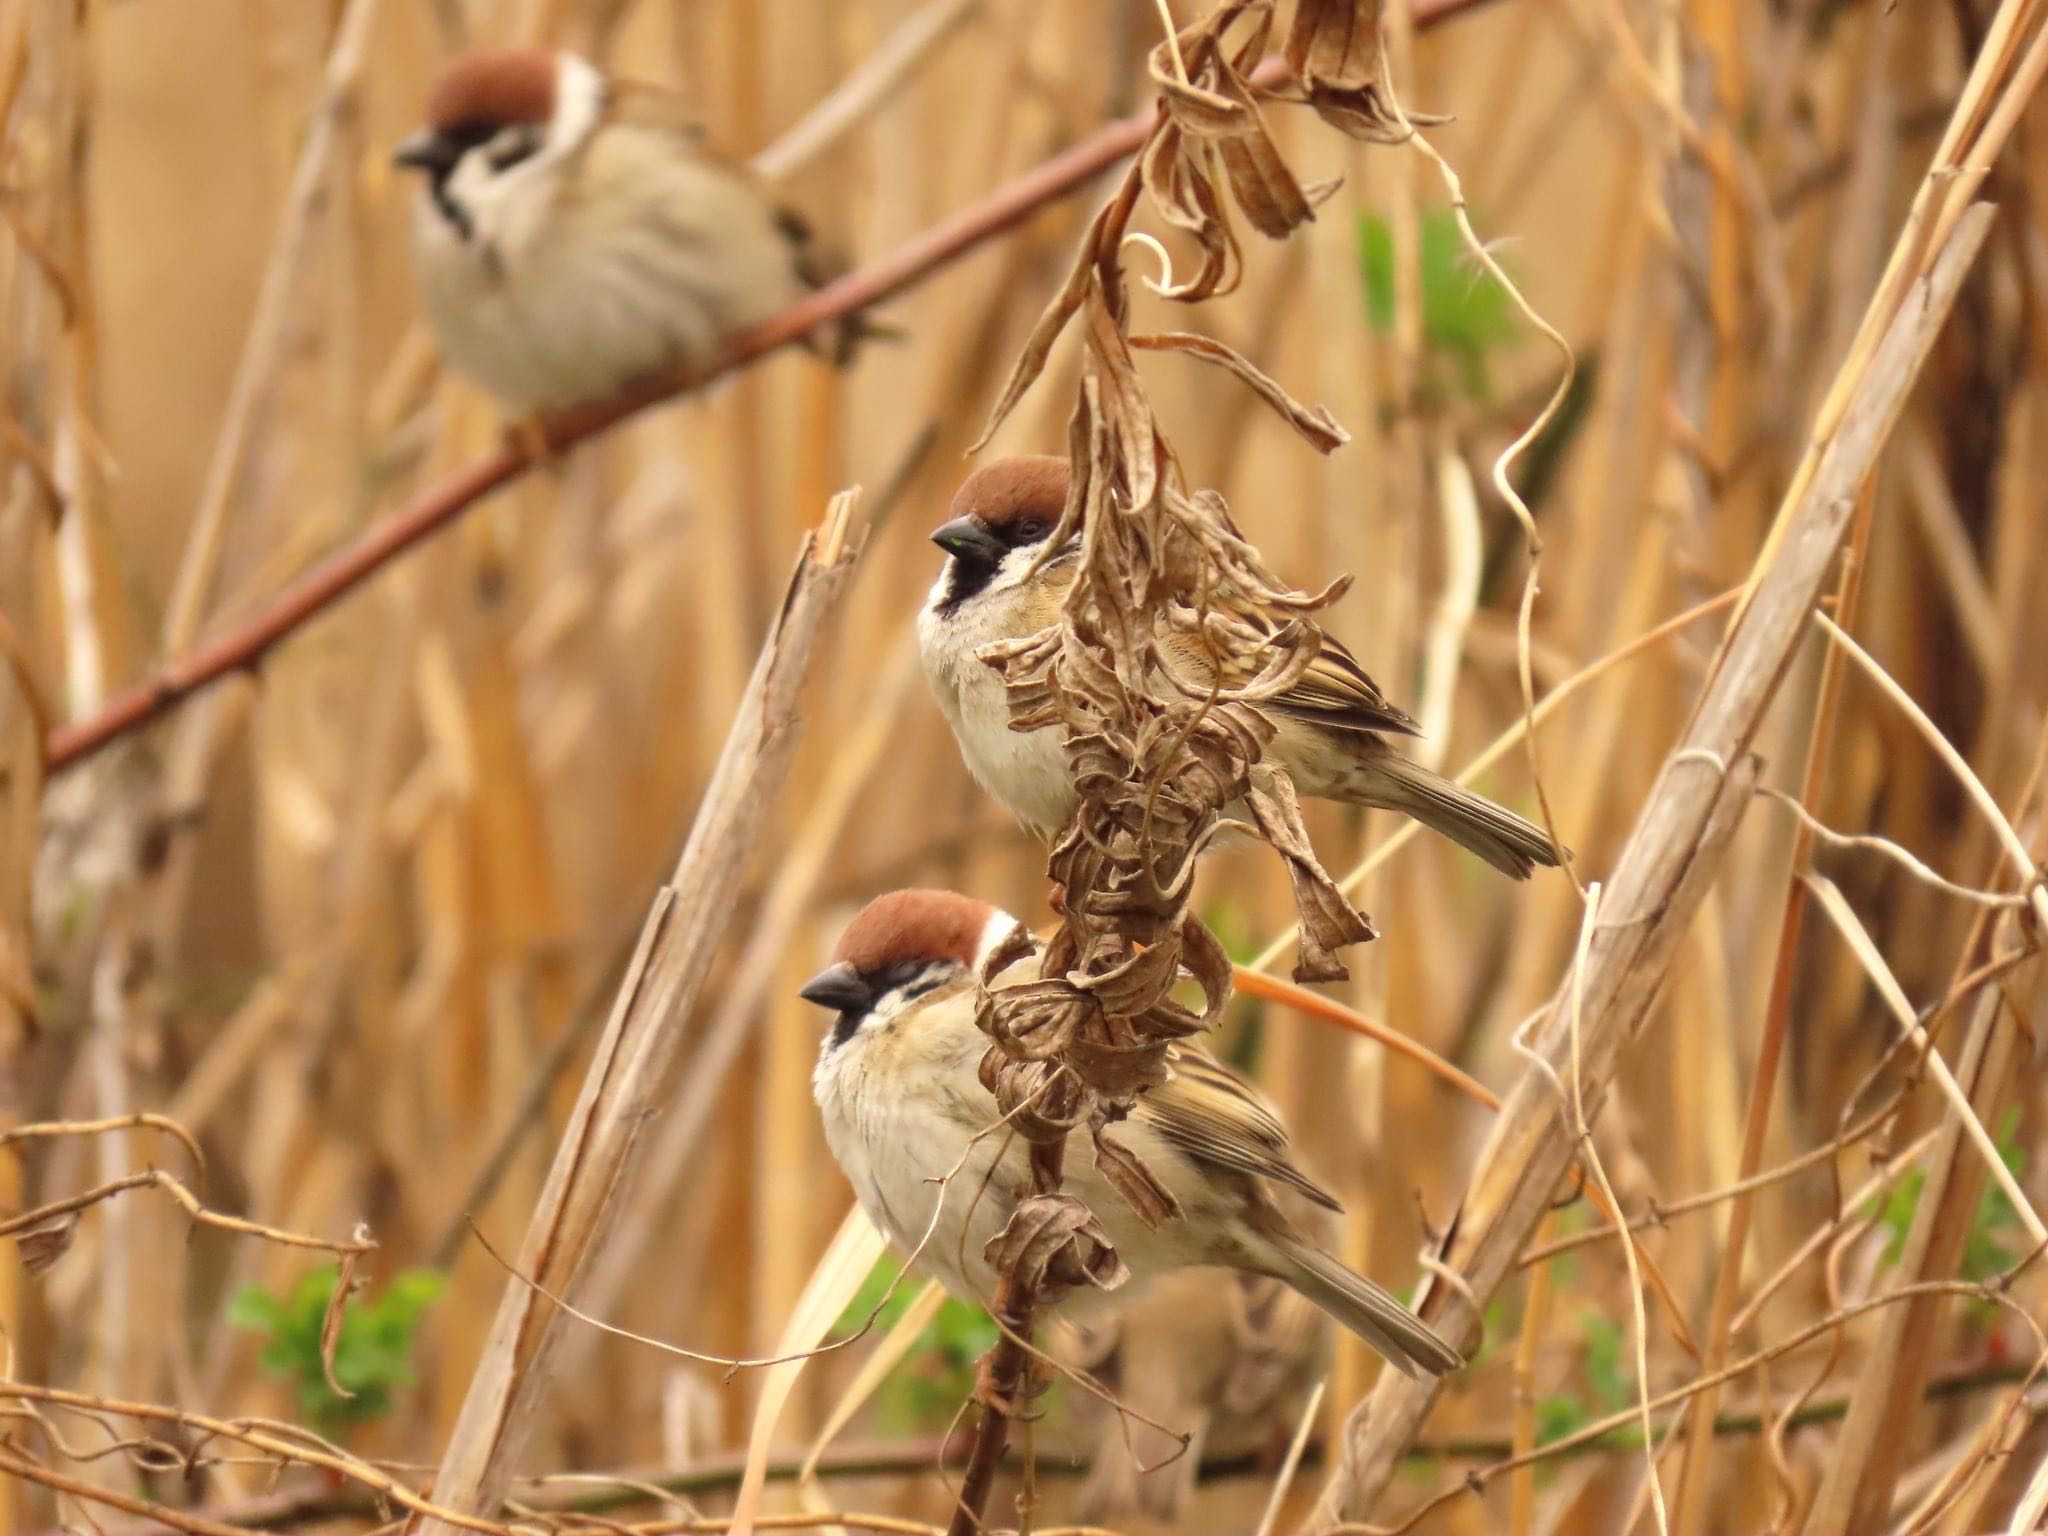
(1229,1360)
(902,1102)
(1329,724)
(576,232)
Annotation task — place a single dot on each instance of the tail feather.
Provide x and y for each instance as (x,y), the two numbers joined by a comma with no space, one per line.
(1369,1310)
(1508,842)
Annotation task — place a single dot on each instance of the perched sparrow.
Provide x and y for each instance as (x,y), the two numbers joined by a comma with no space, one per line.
(897,1083)
(1329,724)
(576,232)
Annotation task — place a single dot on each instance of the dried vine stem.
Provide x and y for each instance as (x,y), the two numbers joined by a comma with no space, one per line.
(1157,754)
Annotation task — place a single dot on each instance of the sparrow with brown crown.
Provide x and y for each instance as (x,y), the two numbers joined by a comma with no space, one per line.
(897,1085)
(575,232)
(1330,728)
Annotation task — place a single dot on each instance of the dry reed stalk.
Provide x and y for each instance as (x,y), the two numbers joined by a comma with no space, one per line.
(646,1034)
(263,350)
(799,868)
(25,532)
(878,77)
(1660,876)
(1862,1475)
(1693,1470)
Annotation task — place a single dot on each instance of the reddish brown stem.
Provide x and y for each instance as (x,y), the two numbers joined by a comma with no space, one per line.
(1002,1378)
(245,644)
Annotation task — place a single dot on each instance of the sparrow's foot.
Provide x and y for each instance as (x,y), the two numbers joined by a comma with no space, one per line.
(990,1394)
(1015,1402)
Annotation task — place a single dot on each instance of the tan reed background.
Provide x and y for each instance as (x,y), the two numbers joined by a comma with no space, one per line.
(334,918)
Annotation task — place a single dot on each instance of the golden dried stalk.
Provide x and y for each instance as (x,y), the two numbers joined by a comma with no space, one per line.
(644,1037)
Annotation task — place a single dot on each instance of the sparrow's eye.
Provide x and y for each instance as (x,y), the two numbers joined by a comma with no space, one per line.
(901,974)
(511,147)
(1031,530)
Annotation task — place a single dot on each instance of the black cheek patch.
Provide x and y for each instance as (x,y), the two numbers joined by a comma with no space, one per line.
(457,216)
(844,1028)
(967,578)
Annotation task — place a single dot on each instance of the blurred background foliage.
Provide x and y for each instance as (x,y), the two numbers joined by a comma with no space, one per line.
(351,919)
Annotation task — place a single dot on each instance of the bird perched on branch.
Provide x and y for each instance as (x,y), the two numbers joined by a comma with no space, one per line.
(1331,726)
(576,232)
(904,1111)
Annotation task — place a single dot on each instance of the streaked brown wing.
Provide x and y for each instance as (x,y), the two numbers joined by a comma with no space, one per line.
(1336,691)
(1214,1116)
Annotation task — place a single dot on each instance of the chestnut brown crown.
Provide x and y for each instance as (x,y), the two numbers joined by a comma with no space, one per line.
(488,88)
(1031,487)
(914,925)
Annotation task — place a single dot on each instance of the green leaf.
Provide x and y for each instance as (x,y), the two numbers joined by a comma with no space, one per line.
(372,1355)
(1605,1372)
(1558,1416)
(937,1372)
(1993,1241)
(253,1309)
(1466,312)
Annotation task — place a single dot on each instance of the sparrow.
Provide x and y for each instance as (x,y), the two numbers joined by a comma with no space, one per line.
(574,232)
(1000,583)
(904,1109)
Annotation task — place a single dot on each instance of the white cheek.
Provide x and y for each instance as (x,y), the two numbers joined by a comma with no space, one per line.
(502,206)
(1011,573)
(998,928)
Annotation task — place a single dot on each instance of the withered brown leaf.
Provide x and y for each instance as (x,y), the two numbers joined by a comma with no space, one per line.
(1328,920)
(1337,49)
(330,1324)
(1053,1243)
(1314,423)
(45,1245)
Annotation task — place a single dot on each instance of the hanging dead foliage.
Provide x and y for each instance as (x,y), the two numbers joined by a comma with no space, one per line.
(1161,754)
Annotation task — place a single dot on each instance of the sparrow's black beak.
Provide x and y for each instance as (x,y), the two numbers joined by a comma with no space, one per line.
(428,151)
(967,540)
(839,988)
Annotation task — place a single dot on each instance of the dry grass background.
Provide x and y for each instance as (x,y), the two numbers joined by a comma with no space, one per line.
(334,920)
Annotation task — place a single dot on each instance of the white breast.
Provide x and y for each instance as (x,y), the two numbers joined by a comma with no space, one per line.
(903,1140)
(902,1109)
(1026,771)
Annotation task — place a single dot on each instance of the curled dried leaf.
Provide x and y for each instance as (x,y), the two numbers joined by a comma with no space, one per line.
(1033,1021)
(1042,1101)
(1337,49)
(1053,1243)
(45,1245)
(1151,1201)
(1316,425)
(345,1284)
(1105,231)
(1219,122)
(1328,920)
(1138,983)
